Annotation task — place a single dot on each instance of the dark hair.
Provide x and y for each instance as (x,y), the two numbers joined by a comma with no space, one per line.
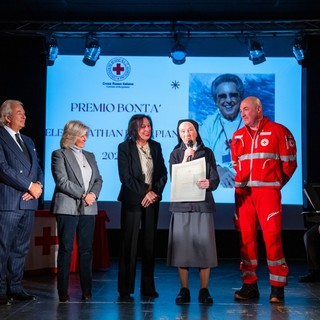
(134,124)
(227,77)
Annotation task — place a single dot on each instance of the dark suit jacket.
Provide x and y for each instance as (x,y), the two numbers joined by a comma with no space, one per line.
(133,187)
(17,173)
(67,197)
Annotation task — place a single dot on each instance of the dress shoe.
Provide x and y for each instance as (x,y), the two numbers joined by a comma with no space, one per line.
(311,277)
(64,297)
(4,300)
(21,296)
(150,294)
(183,296)
(125,297)
(205,297)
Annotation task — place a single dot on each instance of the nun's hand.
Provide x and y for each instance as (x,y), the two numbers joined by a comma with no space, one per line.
(188,154)
(203,184)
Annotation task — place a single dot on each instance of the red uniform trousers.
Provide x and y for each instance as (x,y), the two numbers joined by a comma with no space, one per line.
(263,205)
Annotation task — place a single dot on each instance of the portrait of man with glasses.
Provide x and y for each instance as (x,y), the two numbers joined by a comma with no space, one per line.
(214,102)
(217,129)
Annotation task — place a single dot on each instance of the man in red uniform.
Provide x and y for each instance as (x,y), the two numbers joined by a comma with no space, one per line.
(264,157)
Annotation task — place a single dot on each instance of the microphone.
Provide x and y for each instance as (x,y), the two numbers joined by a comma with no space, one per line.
(190,145)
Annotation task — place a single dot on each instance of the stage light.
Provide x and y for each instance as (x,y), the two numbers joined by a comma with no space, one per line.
(178,52)
(92,52)
(256,53)
(298,50)
(52,51)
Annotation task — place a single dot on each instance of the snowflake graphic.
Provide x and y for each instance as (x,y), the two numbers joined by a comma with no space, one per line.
(175,85)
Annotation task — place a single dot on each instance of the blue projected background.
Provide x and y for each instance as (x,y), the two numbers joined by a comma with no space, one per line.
(104,99)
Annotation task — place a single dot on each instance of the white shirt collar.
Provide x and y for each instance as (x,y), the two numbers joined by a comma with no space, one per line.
(11,132)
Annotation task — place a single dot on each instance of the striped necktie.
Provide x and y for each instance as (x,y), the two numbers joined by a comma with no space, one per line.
(22,145)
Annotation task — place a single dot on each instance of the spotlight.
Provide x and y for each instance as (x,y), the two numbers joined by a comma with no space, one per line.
(256,53)
(52,51)
(298,50)
(92,52)
(178,52)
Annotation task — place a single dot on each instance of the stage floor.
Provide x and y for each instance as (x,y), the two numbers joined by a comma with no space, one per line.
(302,301)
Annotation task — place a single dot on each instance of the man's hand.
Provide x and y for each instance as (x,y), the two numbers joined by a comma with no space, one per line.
(35,190)
(27,196)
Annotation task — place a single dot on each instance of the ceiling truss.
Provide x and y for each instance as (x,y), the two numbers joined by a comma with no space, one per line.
(162,28)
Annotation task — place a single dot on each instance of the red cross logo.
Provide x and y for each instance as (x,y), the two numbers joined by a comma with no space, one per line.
(118,69)
(264,142)
(46,241)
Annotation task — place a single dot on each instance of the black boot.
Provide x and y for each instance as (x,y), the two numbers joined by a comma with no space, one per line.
(247,292)
(277,294)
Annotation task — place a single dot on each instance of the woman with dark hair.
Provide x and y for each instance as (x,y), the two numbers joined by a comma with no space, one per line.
(143,176)
(78,185)
(191,234)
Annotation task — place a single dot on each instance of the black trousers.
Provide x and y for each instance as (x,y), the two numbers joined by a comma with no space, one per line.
(83,227)
(312,244)
(132,218)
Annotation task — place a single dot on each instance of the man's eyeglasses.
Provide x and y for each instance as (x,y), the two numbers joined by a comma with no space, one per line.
(233,96)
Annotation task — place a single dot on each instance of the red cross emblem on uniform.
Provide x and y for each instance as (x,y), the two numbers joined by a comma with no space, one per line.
(264,142)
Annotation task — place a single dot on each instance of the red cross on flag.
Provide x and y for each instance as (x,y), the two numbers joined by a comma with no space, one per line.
(44,243)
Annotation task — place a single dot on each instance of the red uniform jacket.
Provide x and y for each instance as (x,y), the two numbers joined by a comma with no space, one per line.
(267,159)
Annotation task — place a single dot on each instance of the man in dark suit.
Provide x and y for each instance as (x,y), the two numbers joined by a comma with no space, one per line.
(20,186)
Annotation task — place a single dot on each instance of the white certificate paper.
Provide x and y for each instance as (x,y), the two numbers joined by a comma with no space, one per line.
(184,178)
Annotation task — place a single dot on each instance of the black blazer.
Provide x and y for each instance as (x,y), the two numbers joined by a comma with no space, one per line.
(133,187)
